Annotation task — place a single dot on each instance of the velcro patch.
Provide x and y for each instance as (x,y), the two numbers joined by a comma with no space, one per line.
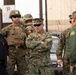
(72,33)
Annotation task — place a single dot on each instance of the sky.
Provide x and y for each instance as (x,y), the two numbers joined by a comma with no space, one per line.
(26,6)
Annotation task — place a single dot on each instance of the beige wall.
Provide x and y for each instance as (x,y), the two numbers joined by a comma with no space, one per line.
(58,11)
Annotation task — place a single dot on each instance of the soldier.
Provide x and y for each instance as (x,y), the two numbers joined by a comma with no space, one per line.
(39,43)
(62,48)
(28,23)
(28,28)
(71,45)
(16,40)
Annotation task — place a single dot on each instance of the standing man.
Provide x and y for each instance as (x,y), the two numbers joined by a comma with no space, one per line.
(61,50)
(39,43)
(16,40)
(28,29)
(4,53)
(71,45)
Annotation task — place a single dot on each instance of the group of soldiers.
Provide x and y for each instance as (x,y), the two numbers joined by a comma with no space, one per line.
(29,46)
(30,53)
(67,48)
(15,35)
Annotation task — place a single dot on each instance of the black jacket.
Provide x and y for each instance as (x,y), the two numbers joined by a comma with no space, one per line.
(4,52)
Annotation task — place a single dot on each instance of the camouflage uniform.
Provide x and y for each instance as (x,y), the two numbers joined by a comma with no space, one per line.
(59,51)
(28,23)
(39,61)
(16,41)
(71,45)
(28,29)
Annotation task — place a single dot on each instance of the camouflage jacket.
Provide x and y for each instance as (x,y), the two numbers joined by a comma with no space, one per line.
(14,35)
(62,44)
(39,52)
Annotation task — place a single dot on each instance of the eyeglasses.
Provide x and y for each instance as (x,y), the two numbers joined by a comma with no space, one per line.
(16,16)
(37,25)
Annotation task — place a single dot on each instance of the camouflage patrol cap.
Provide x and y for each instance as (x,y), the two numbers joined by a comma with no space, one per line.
(37,21)
(27,17)
(14,13)
(74,15)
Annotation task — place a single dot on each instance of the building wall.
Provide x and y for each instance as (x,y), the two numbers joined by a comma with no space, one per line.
(58,12)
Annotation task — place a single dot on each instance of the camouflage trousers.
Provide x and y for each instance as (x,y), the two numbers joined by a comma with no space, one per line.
(66,65)
(66,69)
(36,70)
(17,57)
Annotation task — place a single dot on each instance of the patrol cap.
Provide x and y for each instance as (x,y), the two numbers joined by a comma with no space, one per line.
(37,21)
(14,13)
(27,17)
(74,15)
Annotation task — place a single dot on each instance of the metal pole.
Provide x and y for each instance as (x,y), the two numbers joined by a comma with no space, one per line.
(40,9)
(0,18)
(46,15)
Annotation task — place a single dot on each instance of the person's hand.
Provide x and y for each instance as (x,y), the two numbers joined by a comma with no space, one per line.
(71,69)
(60,62)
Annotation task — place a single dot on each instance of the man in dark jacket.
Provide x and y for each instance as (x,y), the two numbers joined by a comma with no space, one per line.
(3,55)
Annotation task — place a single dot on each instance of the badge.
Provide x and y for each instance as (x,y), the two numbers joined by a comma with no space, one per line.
(72,33)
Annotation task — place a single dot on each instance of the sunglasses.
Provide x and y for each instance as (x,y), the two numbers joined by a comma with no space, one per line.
(16,16)
(71,18)
(37,25)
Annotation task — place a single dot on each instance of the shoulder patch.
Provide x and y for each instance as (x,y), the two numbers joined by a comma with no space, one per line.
(72,33)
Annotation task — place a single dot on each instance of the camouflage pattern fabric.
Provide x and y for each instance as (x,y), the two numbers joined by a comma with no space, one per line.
(17,49)
(39,60)
(27,17)
(14,13)
(59,52)
(28,29)
(28,23)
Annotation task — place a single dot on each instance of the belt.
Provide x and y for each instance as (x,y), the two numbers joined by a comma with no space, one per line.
(16,47)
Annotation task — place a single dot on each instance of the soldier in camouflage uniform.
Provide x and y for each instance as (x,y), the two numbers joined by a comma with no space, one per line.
(71,45)
(61,47)
(28,24)
(15,37)
(39,43)
(28,28)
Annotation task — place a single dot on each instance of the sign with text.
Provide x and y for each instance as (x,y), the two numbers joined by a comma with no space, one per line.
(6,11)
